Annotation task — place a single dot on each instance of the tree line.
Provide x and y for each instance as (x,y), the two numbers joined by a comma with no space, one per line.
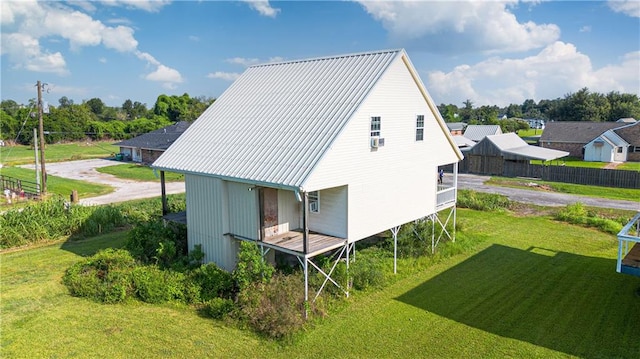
(579,106)
(94,120)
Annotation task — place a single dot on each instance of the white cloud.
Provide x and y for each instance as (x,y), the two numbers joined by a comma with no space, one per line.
(102,60)
(263,7)
(227,76)
(146,5)
(194,38)
(585,28)
(628,7)
(558,69)
(31,21)
(458,27)
(243,61)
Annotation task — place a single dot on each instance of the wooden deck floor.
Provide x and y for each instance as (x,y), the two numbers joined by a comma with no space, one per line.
(318,243)
(632,259)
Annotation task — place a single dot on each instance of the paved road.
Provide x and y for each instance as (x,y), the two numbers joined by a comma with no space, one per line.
(125,190)
(542,198)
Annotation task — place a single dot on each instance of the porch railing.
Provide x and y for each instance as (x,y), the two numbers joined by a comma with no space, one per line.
(445,197)
(629,247)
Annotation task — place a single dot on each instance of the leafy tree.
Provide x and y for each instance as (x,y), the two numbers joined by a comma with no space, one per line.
(96,106)
(65,102)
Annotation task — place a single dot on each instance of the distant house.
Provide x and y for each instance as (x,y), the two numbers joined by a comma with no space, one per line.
(456,128)
(478,132)
(627,120)
(310,156)
(535,123)
(573,136)
(617,145)
(147,147)
(489,155)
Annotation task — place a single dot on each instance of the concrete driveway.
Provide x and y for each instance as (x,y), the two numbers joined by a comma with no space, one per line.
(125,190)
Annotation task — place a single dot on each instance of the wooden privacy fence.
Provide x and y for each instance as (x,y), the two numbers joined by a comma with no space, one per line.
(577,175)
(554,173)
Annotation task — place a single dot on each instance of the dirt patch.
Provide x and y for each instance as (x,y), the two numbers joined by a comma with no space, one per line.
(520,209)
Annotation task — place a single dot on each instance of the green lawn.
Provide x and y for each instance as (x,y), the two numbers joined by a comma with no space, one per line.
(550,291)
(629,166)
(139,172)
(15,155)
(628,194)
(59,185)
(573,162)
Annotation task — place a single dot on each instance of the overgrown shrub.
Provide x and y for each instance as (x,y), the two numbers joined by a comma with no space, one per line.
(104,277)
(251,267)
(482,201)
(275,309)
(153,285)
(212,281)
(103,219)
(155,243)
(370,269)
(339,275)
(577,213)
(219,308)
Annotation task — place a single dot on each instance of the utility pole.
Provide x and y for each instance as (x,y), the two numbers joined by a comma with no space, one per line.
(35,152)
(41,126)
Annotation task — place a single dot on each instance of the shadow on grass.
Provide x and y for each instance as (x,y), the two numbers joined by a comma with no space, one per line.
(570,303)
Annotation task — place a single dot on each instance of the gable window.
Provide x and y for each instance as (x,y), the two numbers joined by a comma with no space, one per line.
(314,201)
(375,126)
(419,127)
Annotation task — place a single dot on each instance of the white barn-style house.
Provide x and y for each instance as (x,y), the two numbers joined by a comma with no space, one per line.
(307,157)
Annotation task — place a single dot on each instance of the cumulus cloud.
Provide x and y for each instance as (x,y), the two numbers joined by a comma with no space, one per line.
(628,7)
(459,27)
(29,21)
(263,7)
(556,70)
(227,76)
(146,5)
(253,61)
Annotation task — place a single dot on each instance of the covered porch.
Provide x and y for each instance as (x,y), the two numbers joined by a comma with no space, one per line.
(629,247)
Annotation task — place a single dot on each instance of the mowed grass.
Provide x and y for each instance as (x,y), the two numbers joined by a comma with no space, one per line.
(628,194)
(138,172)
(19,154)
(525,287)
(572,162)
(59,185)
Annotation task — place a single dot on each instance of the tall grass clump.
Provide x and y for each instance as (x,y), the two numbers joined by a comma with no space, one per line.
(577,213)
(482,201)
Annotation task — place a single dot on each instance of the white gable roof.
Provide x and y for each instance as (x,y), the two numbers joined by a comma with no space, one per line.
(276,121)
(513,144)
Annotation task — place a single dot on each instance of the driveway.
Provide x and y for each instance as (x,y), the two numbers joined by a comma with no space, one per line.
(125,190)
(542,198)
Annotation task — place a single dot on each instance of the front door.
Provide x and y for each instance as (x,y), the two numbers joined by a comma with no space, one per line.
(269,212)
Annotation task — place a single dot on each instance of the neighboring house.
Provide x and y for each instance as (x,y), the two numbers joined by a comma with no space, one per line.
(573,136)
(489,155)
(309,156)
(478,132)
(456,128)
(617,145)
(147,147)
(463,143)
(535,123)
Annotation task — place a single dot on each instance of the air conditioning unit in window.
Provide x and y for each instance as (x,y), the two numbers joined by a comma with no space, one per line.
(375,142)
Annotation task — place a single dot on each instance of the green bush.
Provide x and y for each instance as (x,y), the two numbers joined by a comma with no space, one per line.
(155,243)
(369,270)
(251,267)
(275,309)
(104,277)
(153,285)
(482,201)
(576,213)
(103,219)
(219,308)
(212,281)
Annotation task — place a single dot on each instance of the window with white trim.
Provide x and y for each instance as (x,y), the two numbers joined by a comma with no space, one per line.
(314,201)
(420,128)
(375,126)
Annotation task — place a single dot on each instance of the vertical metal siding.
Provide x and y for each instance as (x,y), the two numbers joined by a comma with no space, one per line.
(206,215)
(243,210)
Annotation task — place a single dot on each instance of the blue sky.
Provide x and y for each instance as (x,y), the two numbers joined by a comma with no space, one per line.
(490,52)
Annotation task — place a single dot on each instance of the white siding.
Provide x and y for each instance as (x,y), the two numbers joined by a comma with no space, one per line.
(603,153)
(243,210)
(396,183)
(207,219)
(332,217)
(288,211)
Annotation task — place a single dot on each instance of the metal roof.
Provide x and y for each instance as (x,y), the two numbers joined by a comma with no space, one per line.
(478,132)
(274,123)
(157,140)
(513,144)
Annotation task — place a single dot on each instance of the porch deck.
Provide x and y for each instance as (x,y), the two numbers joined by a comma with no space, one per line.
(291,242)
(632,259)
